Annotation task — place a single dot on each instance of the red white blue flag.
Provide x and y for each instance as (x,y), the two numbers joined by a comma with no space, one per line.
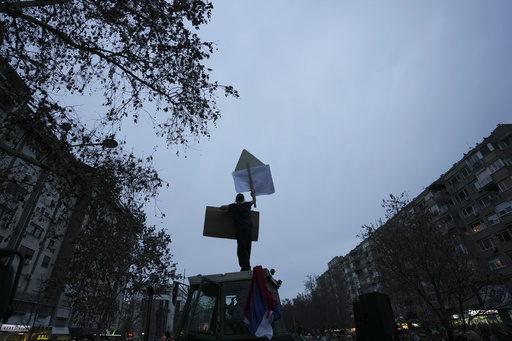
(261,308)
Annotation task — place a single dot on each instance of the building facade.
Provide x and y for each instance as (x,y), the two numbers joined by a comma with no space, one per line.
(473,202)
(38,217)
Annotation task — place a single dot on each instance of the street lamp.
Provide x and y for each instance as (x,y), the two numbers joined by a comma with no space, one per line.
(107,143)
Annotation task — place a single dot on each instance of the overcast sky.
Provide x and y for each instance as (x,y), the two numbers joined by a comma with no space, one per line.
(348,102)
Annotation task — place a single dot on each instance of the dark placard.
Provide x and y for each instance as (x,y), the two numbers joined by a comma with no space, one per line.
(221,224)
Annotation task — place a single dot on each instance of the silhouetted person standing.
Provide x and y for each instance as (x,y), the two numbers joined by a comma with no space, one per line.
(241,210)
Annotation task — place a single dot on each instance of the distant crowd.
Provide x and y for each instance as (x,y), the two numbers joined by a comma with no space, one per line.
(483,332)
(338,336)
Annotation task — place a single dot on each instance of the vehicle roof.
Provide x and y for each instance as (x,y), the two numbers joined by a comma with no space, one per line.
(229,277)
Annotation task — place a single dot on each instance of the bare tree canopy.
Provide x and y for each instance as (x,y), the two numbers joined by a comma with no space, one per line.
(134,52)
(420,258)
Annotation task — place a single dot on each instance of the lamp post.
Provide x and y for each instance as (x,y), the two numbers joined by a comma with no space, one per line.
(107,143)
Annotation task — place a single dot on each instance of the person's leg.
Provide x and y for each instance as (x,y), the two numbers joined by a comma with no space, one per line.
(240,247)
(244,248)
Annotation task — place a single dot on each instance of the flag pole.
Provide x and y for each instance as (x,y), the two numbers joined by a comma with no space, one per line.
(253,194)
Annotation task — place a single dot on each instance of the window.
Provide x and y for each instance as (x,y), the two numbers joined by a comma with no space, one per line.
(484,177)
(45,262)
(204,318)
(27,253)
(461,195)
(504,236)
(485,150)
(453,181)
(461,249)
(496,263)
(504,208)
(474,160)
(497,165)
(35,230)
(61,321)
(15,190)
(484,201)
(43,209)
(472,187)
(505,184)
(508,140)
(468,211)
(477,226)
(465,172)
(486,244)
(495,146)
(24,169)
(493,219)
(5,217)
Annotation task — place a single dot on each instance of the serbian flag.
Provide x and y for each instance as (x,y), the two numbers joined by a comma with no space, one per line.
(261,307)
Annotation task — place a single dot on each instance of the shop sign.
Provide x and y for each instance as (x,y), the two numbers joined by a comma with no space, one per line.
(481,312)
(16,328)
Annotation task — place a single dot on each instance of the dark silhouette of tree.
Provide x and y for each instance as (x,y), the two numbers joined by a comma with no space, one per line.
(419,257)
(133,52)
(322,306)
(115,258)
(89,207)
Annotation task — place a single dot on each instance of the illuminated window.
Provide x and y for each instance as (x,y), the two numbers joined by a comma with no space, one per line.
(496,263)
(477,226)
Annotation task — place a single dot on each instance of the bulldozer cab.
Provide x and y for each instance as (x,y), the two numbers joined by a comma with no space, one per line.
(215,308)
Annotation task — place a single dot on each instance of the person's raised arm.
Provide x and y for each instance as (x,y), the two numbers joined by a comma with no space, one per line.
(253,195)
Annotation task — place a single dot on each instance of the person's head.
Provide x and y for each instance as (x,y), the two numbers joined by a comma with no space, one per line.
(472,336)
(240,197)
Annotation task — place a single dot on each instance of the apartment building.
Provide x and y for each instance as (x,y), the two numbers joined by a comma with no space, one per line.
(473,200)
(38,216)
(35,219)
(359,269)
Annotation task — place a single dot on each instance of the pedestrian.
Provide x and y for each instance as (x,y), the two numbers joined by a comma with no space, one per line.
(241,210)
(501,332)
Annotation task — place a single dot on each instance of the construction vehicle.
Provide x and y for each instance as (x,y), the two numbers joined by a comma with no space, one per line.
(214,309)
